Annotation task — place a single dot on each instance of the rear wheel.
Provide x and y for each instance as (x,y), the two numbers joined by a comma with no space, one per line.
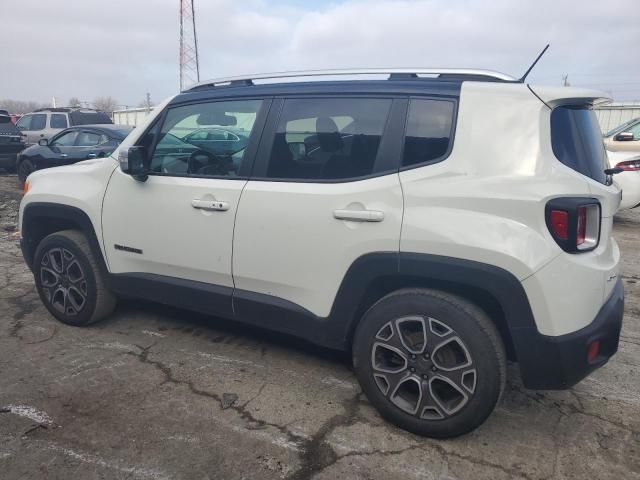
(25,168)
(69,280)
(432,363)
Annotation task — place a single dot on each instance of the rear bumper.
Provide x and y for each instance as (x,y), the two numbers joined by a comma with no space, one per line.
(555,363)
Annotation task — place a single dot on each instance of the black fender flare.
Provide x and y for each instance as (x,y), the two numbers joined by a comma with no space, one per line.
(38,218)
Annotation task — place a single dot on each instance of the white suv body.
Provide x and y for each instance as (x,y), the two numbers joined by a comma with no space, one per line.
(381,217)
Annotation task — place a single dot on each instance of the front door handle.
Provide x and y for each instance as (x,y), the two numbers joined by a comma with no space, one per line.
(215,205)
(63,155)
(92,155)
(359,215)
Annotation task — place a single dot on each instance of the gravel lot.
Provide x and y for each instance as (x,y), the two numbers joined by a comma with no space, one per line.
(158,393)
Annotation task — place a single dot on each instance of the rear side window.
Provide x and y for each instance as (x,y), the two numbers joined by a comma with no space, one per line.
(429,131)
(58,120)
(328,138)
(577,141)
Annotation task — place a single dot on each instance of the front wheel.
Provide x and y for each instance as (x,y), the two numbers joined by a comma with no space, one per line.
(432,363)
(69,281)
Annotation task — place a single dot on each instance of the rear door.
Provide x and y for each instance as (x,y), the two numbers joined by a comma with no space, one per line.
(324,192)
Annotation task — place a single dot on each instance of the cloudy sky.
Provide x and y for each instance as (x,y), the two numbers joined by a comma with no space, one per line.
(125,48)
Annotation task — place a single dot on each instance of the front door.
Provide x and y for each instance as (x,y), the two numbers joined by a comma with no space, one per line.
(178,224)
(325,191)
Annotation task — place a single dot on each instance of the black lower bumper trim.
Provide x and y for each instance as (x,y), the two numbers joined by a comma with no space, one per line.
(555,363)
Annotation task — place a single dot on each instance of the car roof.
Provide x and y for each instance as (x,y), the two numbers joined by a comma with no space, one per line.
(414,86)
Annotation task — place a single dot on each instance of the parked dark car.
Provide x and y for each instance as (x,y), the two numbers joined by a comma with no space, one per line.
(11,142)
(70,146)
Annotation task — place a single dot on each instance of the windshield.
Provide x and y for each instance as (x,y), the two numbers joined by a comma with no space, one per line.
(577,141)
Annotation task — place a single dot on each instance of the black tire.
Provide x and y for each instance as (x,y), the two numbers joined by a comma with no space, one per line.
(24,169)
(451,400)
(69,280)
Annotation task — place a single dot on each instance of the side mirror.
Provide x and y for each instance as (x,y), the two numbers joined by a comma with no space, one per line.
(624,137)
(43,142)
(133,162)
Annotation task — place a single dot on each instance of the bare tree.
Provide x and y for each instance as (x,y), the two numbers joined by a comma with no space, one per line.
(74,102)
(105,104)
(19,106)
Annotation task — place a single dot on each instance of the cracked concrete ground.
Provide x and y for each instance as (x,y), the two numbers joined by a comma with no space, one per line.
(158,393)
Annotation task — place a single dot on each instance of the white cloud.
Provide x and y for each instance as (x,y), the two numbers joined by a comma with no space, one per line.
(125,48)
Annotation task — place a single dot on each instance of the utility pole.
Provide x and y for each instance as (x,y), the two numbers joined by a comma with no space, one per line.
(565,80)
(148,102)
(189,65)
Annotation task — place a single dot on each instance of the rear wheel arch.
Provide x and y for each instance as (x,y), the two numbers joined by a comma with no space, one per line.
(373,276)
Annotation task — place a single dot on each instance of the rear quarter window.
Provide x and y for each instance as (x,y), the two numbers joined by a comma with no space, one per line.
(577,141)
(429,131)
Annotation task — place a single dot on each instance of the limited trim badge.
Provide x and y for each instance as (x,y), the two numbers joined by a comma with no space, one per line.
(124,248)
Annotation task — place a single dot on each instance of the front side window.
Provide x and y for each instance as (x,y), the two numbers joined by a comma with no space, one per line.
(65,140)
(577,142)
(328,138)
(39,121)
(205,139)
(428,133)
(58,120)
(24,123)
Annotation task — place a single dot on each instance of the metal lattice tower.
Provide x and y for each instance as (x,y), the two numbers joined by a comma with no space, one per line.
(189,66)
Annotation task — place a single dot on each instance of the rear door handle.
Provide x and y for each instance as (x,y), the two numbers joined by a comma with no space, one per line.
(215,205)
(63,155)
(359,215)
(92,155)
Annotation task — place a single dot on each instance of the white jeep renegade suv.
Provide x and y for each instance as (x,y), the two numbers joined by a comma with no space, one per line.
(434,227)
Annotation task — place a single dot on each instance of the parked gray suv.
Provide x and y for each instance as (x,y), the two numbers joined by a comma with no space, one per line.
(46,122)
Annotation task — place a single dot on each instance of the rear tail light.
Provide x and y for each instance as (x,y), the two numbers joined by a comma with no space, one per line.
(629,165)
(574,223)
(560,224)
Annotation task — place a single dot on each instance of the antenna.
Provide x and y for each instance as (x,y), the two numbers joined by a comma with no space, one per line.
(521,80)
(189,65)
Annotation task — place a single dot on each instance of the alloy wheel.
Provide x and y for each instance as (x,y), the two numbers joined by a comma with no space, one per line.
(423,367)
(63,281)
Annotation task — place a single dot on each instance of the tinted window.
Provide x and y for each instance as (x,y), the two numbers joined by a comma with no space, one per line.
(38,121)
(58,120)
(328,139)
(205,139)
(577,141)
(65,140)
(428,131)
(88,118)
